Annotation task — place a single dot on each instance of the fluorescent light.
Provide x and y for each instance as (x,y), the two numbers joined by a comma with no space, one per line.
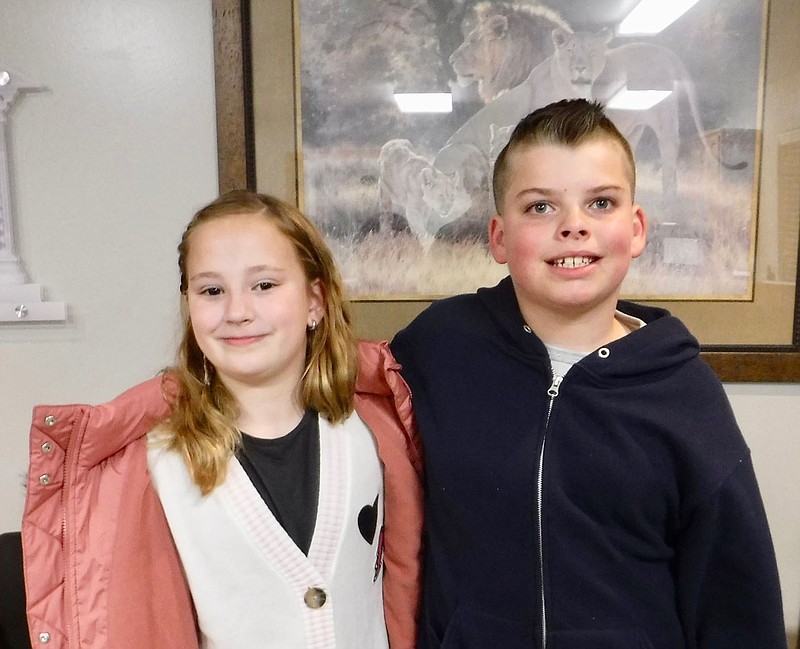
(653,16)
(424,102)
(637,99)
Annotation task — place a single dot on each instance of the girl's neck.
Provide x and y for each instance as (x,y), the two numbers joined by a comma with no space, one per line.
(268,413)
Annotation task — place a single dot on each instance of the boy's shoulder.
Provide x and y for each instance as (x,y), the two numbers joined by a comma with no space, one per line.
(499,299)
(643,312)
(453,306)
(468,310)
(666,344)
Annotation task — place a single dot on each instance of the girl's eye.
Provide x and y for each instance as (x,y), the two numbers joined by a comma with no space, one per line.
(264,286)
(212,291)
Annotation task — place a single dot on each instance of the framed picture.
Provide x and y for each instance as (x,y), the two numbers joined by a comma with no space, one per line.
(308,109)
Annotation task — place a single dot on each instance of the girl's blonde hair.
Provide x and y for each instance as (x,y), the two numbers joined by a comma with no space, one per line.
(203,422)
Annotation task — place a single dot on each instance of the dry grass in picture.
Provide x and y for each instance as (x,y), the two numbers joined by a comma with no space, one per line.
(699,245)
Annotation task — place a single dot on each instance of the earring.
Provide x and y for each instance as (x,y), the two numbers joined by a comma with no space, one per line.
(313,325)
(206,374)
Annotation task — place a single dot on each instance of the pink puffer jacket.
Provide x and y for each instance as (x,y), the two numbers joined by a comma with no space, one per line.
(100,565)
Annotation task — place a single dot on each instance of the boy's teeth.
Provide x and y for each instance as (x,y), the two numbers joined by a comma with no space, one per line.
(572,262)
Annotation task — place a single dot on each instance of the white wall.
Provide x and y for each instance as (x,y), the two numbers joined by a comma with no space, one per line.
(769,415)
(108,165)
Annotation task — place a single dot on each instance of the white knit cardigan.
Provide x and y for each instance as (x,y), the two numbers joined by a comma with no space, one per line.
(249,581)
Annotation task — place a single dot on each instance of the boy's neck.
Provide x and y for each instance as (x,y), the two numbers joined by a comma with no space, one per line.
(584,333)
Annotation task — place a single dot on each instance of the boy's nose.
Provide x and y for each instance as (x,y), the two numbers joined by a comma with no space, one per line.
(574,233)
(574,225)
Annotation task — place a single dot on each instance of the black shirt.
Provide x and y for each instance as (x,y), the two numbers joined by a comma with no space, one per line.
(13,626)
(285,472)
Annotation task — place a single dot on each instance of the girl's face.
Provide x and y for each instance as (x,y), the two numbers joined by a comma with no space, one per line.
(249,302)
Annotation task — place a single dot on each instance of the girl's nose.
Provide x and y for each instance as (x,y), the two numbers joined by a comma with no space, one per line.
(239,307)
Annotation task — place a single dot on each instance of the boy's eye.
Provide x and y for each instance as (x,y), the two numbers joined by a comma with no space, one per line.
(603,203)
(264,286)
(539,208)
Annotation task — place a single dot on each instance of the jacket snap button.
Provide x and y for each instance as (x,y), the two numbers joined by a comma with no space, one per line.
(50,420)
(315,598)
(44,638)
(47,447)
(44,479)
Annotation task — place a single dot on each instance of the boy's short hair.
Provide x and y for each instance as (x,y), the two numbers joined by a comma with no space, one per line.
(569,122)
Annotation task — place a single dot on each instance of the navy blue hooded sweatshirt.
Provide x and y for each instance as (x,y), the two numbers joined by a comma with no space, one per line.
(617,511)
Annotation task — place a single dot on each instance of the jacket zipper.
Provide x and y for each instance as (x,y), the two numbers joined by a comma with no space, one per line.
(64,561)
(71,630)
(552,391)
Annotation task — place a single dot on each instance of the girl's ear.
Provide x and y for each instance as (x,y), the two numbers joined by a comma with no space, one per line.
(316,301)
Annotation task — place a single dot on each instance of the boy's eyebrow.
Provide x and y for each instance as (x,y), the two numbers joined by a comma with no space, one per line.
(606,188)
(550,191)
(545,191)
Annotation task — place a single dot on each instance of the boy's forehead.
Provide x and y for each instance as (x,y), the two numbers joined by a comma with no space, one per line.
(535,156)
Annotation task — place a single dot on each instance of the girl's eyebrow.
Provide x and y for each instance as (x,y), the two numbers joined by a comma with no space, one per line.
(210,274)
(204,275)
(265,268)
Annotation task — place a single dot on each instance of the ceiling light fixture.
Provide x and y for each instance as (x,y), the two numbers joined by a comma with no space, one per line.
(637,99)
(653,16)
(424,102)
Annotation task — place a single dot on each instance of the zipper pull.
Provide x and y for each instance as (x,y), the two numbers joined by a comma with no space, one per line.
(553,389)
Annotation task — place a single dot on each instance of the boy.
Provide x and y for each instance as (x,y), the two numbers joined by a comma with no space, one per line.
(587,484)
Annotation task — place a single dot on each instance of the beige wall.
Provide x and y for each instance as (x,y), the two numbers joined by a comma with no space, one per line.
(108,164)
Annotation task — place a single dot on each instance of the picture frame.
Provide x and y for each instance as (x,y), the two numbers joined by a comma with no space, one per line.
(745,354)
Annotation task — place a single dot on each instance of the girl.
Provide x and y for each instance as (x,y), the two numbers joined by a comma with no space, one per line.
(296,522)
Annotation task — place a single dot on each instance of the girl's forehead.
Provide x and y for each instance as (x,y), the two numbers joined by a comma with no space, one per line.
(234,227)
(233,222)
(250,235)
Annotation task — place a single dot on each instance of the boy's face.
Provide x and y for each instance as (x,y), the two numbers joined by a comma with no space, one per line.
(568,227)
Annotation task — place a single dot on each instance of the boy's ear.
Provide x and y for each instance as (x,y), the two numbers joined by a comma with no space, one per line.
(639,240)
(497,237)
